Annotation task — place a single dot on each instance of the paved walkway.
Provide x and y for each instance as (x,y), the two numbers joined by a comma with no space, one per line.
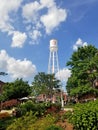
(3,111)
(68,109)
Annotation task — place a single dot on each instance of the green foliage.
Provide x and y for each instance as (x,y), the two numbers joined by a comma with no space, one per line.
(31,117)
(38,108)
(67,115)
(31,122)
(5,122)
(44,83)
(16,89)
(85,116)
(82,90)
(23,122)
(42,124)
(84,68)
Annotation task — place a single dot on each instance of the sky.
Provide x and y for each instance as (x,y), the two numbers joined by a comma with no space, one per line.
(27,26)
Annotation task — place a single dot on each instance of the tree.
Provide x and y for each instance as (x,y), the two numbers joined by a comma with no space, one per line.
(45,83)
(84,68)
(3,73)
(16,89)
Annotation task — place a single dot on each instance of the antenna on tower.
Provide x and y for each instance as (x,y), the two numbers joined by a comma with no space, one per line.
(53,65)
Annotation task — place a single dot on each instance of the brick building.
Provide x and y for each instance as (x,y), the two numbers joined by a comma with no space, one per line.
(54,98)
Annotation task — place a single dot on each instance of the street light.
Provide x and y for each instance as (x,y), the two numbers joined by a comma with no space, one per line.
(62,102)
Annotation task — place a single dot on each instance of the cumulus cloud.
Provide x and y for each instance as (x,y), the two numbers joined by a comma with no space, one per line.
(63,74)
(53,18)
(79,43)
(6,21)
(5,9)
(30,11)
(18,39)
(44,15)
(16,68)
(34,35)
(47,3)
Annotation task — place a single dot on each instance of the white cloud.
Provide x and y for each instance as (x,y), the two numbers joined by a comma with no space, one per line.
(18,39)
(5,9)
(30,11)
(36,33)
(53,18)
(43,15)
(75,47)
(79,43)
(85,44)
(34,36)
(63,74)
(47,3)
(16,68)
(6,21)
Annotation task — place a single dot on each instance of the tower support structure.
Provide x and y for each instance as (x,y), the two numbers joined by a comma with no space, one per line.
(53,65)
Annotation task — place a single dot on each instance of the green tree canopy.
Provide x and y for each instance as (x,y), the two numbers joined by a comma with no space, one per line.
(3,73)
(16,89)
(84,68)
(45,83)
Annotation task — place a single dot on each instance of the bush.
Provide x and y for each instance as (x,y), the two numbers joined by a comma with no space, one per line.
(5,120)
(85,116)
(31,122)
(23,122)
(30,106)
(43,123)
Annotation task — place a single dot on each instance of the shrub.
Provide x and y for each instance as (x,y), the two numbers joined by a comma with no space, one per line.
(43,123)
(31,122)
(5,120)
(23,122)
(28,106)
(85,116)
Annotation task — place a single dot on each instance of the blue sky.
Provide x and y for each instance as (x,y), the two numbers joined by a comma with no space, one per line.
(27,26)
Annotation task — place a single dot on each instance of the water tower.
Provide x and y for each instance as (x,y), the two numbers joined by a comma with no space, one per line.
(53,66)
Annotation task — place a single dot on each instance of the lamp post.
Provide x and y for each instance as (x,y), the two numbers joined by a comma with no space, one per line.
(62,102)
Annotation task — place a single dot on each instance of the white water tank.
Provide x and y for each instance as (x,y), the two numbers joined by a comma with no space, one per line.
(53,45)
